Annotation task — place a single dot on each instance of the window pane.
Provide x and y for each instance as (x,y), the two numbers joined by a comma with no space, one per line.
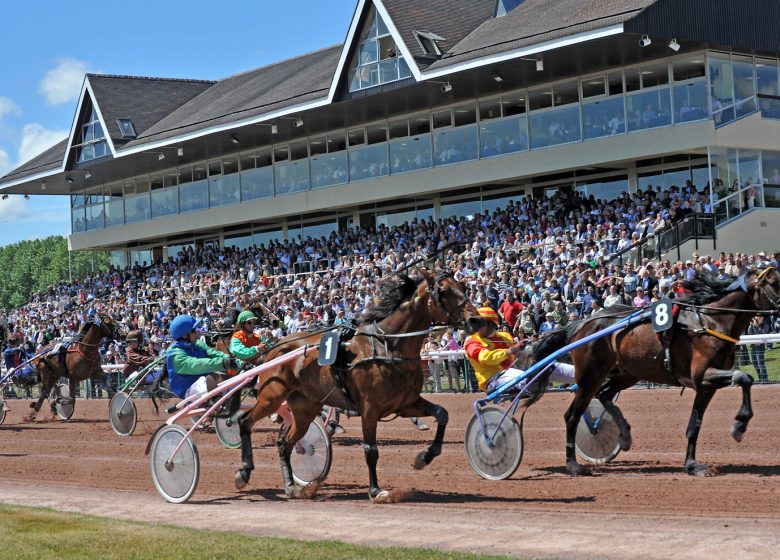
(615,83)
(403,68)
(565,94)
(690,102)
(328,170)
(336,142)
(688,68)
(410,154)
(490,110)
(419,124)
(318,146)
(95,217)
(224,190)
(633,79)
(465,208)
(165,202)
(648,110)
(368,52)
(503,137)
(766,77)
(540,99)
(356,137)
(399,129)
(368,162)
(655,75)
(78,220)
(603,118)
(455,145)
(193,196)
(514,105)
(442,119)
(376,134)
(555,127)
(721,82)
(466,114)
(291,177)
(257,183)
(137,208)
(771,172)
(263,238)
(593,87)
(744,86)
(115,212)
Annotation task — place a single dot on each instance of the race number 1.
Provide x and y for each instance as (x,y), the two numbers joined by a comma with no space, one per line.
(329,348)
(661,313)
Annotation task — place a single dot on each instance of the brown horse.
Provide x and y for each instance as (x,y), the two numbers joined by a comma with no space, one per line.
(702,346)
(81,361)
(381,369)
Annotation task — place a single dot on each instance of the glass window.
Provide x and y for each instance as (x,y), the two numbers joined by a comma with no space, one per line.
(315,231)
(633,79)
(410,154)
(721,88)
(690,101)
(771,180)
(503,137)
(466,208)
(165,202)
(655,75)
(565,94)
(442,119)
(399,129)
(513,105)
(594,87)
(291,177)
(91,143)
(115,207)
(490,110)
(368,162)
(224,184)
(648,109)
(603,118)
(281,153)
(336,142)
(395,217)
(455,145)
(137,207)
(356,137)
(419,124)
(766,77)
(243,241)
(558,126)
(466,114)
(318,145)
(376,134)
(603,189)
(264,237)
(78,220)
(257,183)
(377,59)
(688,68)
(328,170)
(540,99)
(194,196)
(615,83)
(744,86)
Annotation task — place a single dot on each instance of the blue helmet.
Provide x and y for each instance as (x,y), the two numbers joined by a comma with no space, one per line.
(183,325)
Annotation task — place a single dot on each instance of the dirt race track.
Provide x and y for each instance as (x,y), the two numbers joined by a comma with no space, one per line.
(639,506)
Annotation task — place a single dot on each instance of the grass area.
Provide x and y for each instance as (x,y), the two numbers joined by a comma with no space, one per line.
(771,359)
(40,534)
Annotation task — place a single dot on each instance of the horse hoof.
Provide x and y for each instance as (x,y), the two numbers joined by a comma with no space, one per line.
(697,469)
(419,461)
(241,479)
(383,497)
(737,432)
(575,469)
(302,492)
(625,442)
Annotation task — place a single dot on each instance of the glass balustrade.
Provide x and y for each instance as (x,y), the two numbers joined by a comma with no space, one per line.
(165,202)
(137,208)
(193,197)
(455,145)
(115,213)
(603,118)
(648,109)
(501,137)
(368,163)
(410,154)
(257,183)
(224,189)
(328,170)
(690,102)
(556,126)
(292,177)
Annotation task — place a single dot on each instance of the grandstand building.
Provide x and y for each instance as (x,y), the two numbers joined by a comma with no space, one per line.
(433,109)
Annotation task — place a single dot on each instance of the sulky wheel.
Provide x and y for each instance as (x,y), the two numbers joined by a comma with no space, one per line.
(229,435)
(501,459)
(175,480)
(598,435)
(63,403)
(2,410)
(311,457)
(122,414)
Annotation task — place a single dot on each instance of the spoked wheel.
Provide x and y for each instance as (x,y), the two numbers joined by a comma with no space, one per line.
(122,414)
(230,436)
(63,403)
(311,457)
(497,460)
(175,480)
(2,410)
(598,435)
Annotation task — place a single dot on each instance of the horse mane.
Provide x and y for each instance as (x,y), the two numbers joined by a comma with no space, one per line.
(392,293)
(706,288)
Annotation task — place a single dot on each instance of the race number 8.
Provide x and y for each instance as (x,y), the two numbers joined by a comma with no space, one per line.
(661,315)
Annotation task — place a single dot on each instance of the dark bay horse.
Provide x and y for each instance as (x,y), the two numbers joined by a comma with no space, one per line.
(381,368)
(81,361)
(702,346)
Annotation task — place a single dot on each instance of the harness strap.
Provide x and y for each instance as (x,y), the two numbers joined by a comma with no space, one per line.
(721,336)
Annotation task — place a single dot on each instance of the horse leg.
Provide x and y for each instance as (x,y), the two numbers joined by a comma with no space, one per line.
(572,416)
(700,403)
(304,412)
(422,407)
(369,421)
(606,397)
(268,401)
(44,391)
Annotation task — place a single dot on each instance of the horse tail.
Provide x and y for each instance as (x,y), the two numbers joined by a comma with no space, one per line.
(553,341)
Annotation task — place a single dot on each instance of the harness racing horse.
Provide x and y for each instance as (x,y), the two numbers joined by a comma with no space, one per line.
(81,360)
(701,343)
(381,371)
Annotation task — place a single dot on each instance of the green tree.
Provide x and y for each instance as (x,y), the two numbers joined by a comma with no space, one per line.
(33,266)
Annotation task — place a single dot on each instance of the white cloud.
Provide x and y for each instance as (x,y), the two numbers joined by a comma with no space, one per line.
(5,162)
(62,83)
(14,209)
(36,139)
(8,107)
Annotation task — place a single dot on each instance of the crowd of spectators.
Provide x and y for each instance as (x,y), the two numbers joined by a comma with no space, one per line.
(540,262)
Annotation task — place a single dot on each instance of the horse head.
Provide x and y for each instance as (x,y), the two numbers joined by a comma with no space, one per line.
(448,302)
(764,288)
(107,326)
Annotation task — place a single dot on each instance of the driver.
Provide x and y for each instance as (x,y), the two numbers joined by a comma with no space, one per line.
(245,345)
(137,356)
(491,353)
(191,361)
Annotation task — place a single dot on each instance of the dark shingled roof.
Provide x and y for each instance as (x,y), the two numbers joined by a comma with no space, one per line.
(445,18)
(48,160)
(536,21)
(144,101)
(291,82)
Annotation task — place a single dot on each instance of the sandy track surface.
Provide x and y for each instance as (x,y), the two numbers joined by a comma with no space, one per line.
(639,506)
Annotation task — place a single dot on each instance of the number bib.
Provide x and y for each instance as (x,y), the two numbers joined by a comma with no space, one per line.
(661,314)
(329,348)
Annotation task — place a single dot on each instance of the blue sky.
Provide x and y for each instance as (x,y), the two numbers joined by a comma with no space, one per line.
(47,46)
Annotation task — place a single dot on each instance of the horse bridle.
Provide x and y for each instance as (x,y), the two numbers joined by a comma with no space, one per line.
(762,284)
(435,297)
